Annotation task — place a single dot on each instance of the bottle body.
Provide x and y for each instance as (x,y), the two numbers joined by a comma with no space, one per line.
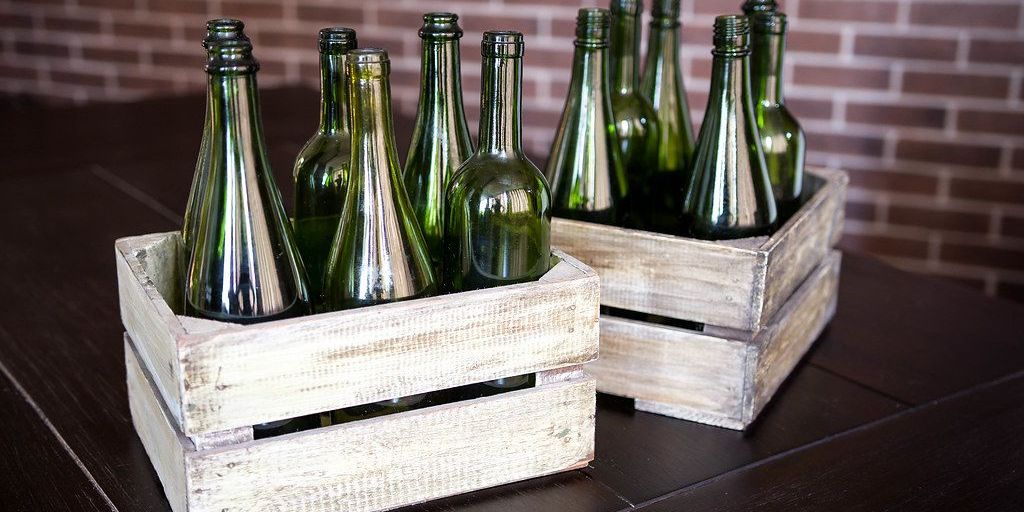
(440,141)
(662,85)
(782,138)
(729,195)
(584,170)
(636,123)
(498,206)
(321,167)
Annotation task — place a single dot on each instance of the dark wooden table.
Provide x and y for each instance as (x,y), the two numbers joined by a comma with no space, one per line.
(912,400)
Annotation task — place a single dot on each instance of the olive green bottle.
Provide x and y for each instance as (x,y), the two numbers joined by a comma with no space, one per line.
(440,139)
(662,84)
(751,6)
(217,31)
(321,168)
(497,206)
(782,138)
(378,254)
(244,266)
(729,195)
(588,181)
(636,122)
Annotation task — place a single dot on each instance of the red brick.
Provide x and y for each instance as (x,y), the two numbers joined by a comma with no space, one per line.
(195,7)
(120,55)
(249,9)
(813,42)
(898,115)
(75,78)
(1010,123)
(1012,227)
(965,14)
(11,20)
(337,15)
(107,4)
(146,83)
(807,108)
(956,84)
(1008,257)
(997,51)
(848,10)
(996,191)
(80,23)
(266,38)
(712,6)
(1010,291)
(894,181)
(163,58)
(42,49)
(143,30)
(1017,162)
(944,220)
(696,35)
(18,72)
(948,152)
(860,211)
(885,245)
(545,57)
(845,144)
(700,68)
(478,24)
(905,47)
(843,77)
(972,282)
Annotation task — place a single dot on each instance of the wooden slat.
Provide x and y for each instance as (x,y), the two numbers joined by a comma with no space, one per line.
(156,428)
(143,266)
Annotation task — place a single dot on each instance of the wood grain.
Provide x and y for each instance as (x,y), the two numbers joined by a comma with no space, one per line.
(736,284)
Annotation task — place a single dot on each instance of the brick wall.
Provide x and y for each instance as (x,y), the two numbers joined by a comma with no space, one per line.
(921,100)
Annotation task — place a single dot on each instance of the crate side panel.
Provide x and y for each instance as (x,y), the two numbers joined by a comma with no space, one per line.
(142,262)
(674,367)
(793,330)
(407,458)
(802,244)
(285,369)
(666,275)
(157,431)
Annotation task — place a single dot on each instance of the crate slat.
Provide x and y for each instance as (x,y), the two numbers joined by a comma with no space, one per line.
(217,376)
(379,463)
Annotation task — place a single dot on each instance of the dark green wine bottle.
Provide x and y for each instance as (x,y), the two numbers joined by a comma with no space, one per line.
(781,136)
(321,168)
(440,139)
(636,123)
(751,6)
(498,207)
(378,254)
(588,181)
(729,195)
(217,31)
(244,266)
(662,84)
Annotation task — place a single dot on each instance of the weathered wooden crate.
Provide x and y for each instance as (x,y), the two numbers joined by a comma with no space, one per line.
(196,387)
(761,302)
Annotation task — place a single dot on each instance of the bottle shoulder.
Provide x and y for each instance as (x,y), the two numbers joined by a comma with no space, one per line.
(778,119)
(323,153)
(484,174)
(631,105)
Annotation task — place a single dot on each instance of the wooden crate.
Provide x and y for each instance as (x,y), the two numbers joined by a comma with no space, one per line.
(196,387)
(762,302)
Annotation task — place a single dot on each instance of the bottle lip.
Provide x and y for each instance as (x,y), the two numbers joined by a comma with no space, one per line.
(730,37)
(768,22)
(231,57)
(592,25)
(502,44)
(625,7)
(440,26)
(337,39)
(369,63)
(223,29)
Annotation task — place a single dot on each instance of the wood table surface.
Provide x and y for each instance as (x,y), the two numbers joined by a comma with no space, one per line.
(913,398)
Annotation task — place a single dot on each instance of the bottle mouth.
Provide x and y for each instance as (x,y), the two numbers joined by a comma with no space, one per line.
(730,36)
(337,39)
(231,57)
(441,26)
(224,29)
(625,7)
(369,63)
(768,22)
(592,27)
(752,6)
(665,10)
(502,44)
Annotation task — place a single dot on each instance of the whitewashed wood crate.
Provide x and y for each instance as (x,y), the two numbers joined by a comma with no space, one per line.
(196,387)
(762,302)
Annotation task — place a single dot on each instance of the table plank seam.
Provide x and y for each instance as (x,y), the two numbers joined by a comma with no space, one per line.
(899,401)
(827,439)
(134,192)
(53,430)
(608,487)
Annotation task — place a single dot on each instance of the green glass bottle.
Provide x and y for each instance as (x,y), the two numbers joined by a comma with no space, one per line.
(497,207)
(729,195)
(440,139)
(378,254)
(217,31)
(321,168)
(782,138)
(662,84)
(244,266)
(636,122)
(751,6)
(588,180)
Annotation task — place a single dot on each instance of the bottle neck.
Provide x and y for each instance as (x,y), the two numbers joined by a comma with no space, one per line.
(588,71)
(729,81)
(766,67)
(664,40)
(500,113)
(235,117)
(334,111)
(373,136)
(440,84)
(625,43)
